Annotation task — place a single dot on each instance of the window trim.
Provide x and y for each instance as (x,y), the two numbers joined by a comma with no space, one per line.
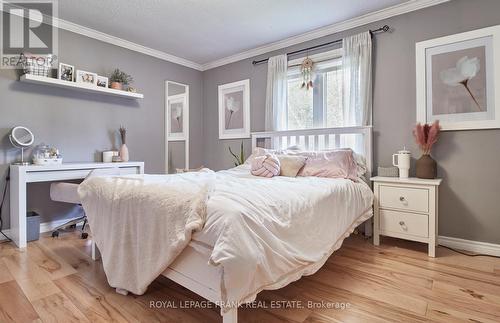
(319,97)
(331,54)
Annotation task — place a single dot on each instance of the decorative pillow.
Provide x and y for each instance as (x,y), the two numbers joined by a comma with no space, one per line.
(291,165)
(266,166)
(259,151)
(332,164)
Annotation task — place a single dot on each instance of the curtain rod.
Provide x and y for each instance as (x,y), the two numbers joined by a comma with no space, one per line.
(384,29)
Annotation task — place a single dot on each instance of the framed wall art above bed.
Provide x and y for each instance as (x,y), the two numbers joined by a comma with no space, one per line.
(458,80)
(234,110)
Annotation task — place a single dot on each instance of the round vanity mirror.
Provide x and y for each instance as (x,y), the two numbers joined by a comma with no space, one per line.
(21,137)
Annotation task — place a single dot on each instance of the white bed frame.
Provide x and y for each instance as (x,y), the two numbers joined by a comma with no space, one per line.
(319,139)
(191,269)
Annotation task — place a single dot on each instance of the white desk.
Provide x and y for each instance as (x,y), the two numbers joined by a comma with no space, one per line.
(21,175)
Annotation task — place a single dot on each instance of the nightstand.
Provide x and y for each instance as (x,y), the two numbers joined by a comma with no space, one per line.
(406,208)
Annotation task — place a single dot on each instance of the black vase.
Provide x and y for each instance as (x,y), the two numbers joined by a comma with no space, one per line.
(426,167)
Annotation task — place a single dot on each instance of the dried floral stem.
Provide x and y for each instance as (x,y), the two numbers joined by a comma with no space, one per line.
(123,134)
(426,136)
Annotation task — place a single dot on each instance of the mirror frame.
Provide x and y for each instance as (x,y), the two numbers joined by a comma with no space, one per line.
(15,141)
(184,138)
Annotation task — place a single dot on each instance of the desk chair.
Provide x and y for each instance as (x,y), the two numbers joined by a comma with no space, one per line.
(68,193)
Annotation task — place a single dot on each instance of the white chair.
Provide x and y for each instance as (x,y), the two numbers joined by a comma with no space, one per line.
(68,193)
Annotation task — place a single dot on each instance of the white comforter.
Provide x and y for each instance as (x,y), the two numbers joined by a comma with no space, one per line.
(265,232)
(141,223)
(268,232)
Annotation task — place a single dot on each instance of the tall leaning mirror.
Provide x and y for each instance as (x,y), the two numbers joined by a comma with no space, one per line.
(176,126)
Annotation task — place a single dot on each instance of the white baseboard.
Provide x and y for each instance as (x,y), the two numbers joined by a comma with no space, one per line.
(470,246)
(44,227)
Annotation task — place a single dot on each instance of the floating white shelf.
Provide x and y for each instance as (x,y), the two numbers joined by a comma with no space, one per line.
(78,86)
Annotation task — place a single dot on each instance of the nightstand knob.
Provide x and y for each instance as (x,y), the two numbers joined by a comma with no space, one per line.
(402,198)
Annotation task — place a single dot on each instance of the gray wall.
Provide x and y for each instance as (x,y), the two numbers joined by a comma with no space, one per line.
(469,161)
(83,124)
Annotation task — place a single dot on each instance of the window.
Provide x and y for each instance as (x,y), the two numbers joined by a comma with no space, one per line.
(321,106)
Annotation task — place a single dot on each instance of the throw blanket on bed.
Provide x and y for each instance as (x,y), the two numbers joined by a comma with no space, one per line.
(141,223)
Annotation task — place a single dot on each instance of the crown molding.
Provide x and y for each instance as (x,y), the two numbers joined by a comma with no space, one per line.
(92,33)
(113,40)
(409,6)
(375,16)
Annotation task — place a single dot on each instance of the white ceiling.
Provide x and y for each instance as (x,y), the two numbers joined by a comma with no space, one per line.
(203,31)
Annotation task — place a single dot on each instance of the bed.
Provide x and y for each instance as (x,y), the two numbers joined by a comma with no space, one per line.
(202,267)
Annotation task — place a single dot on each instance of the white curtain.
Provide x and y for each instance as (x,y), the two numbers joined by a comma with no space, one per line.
(276,100)
(357,80)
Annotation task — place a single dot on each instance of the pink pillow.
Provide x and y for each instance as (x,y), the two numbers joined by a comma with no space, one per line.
(266,166)
(331,164)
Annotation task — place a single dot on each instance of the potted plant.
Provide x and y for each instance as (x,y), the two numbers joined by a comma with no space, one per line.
(119,78)
(239,159)
(426,136)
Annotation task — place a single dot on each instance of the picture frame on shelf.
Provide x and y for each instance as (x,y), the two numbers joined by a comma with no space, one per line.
(234,110)
(87,78)
(102,81)
(458,80)
(66,72)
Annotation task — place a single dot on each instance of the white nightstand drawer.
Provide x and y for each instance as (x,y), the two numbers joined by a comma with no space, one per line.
(404,223)
(404,198)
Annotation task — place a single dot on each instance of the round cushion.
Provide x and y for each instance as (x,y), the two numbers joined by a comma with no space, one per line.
(267,165)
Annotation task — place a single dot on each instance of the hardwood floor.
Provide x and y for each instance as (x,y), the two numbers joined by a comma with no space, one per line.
(55,280)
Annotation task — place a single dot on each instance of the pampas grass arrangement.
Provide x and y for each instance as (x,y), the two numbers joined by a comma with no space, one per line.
(426,136)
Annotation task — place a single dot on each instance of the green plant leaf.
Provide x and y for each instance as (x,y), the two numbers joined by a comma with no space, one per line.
(242,154)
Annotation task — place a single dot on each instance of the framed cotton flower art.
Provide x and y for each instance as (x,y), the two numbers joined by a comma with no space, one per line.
(177,116)
(458,80)
(234,110)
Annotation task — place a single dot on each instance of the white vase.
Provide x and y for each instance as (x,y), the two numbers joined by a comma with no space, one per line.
(124,153)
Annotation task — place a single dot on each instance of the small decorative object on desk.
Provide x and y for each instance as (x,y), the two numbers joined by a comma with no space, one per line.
(123,149)
(388,171)
(239,159)
(426,136)
(403,158)
(107,156)
(119,78)
(46,155)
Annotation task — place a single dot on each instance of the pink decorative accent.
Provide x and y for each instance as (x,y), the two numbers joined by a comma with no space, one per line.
(267,165)
(426,136)
(331,164)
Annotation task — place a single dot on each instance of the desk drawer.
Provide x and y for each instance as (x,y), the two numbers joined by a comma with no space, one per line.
(404,198)
(129,170)
(404,223)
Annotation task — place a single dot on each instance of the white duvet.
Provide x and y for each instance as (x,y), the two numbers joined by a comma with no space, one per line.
(268,232)
(265,232)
